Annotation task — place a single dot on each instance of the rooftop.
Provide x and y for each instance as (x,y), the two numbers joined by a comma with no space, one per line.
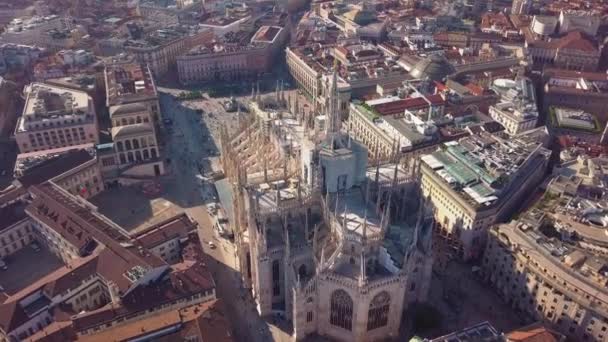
(482,167)
(206,320)
(50,105)
(517,98)
(579,267)
(483,331)
(159,37)
(576,82)
(44,169)
(175,227)
(128,82)
(266,34)
(86,229)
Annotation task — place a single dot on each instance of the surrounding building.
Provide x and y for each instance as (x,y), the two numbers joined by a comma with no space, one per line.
(521,6)
(544,278)
(312,227)
(8,110)
(134,110)
(55,117)
(517,109)
(362,68)
(111,280)
(232,57)
(479,180)
(581,90)
(159,49)
(15,229)
(575,51)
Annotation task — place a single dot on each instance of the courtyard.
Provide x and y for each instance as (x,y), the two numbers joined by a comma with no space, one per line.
(131,208)
(27,266)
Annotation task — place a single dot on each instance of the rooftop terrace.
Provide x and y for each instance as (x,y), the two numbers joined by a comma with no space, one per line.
(128,82)
(481,167)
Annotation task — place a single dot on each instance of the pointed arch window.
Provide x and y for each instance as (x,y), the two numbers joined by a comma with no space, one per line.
(377,315)
(341,313)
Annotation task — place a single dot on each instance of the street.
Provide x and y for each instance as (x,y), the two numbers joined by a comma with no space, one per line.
(192,138)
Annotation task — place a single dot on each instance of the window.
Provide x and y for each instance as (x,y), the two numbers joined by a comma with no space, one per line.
(309,316)
(341,310)
(276,281)
(377,315)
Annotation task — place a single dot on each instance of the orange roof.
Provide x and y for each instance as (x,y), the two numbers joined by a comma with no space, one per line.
(533,333)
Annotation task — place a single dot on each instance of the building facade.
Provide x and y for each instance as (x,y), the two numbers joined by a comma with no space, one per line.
(232,60)
(135,115)
(476,182)
(547,280)
(15,229)
(521,6)
(516,109)
(55,117)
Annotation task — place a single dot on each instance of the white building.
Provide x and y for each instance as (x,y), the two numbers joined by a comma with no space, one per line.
(478,181)
(55,117)
(517,110)
(319,231)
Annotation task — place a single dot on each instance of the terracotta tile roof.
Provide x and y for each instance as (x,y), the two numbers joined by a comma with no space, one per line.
(592,76)
(412,103)
(50,278)
(12,315)
(534,333)
(71,279)
(54,167)
(175,227)
(86,229)
(498,20)
(185,280)
(574,40)
(206,320)
(54,332)
(475,89)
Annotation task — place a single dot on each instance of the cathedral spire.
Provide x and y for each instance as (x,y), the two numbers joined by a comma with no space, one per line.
(314,239)
(363,271)
(306,233)
(278,197)
(332,114)
(364,230)
(238,115)
(322,260)
(377,158)
(265,169)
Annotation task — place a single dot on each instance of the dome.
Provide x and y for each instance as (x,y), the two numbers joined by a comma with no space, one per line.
(435,67)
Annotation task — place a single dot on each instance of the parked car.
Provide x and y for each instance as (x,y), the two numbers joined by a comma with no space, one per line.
(35,246)
(211,245)
(167,121)
(3,265)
